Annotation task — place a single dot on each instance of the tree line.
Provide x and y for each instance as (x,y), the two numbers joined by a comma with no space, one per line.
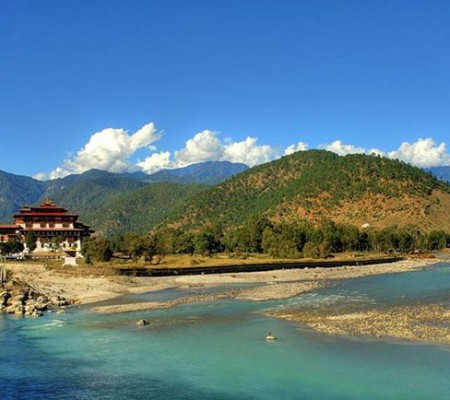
(300,239)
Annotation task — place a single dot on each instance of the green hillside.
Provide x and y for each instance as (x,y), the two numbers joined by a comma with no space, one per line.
(86,193)
(88,196)
(317,184)
(139,210)
(15,191)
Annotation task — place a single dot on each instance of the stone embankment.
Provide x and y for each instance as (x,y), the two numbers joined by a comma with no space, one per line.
(20,299)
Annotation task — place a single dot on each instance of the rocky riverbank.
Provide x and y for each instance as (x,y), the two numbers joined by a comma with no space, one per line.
(20,299)
(269,285)
(423,322)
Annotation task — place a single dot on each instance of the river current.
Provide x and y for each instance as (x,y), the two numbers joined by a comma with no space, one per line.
(217,351)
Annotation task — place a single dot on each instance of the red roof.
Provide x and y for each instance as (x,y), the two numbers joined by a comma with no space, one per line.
(53,229)
(46,209)
(9,226)
(43,214)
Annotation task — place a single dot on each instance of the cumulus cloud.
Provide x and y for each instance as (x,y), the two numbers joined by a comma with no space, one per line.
(156,162)
(112,149)
(40,176)
(108,150)
(207,146)
(423,153)
(343,149)
(300,146)
(248,152)
(204,146)
(59,172)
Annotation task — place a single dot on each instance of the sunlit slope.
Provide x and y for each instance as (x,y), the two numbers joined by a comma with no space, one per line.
(316,184)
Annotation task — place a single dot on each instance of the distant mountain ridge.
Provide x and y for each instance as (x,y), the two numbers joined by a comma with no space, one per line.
(442,173)
(17,190)
(308,185)
(207,173)
(87,192)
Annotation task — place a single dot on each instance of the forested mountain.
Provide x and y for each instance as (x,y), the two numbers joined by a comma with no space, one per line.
(139,210)
(96,190)
(442,173)
(15,191)
(88,196)
(313,185)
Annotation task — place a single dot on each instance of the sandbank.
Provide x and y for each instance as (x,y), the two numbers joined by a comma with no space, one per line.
(270,285)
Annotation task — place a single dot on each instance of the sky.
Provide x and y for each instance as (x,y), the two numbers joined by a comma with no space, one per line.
(148,84)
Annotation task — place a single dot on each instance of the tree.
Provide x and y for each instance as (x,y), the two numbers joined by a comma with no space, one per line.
(97,248)
(311,250)
(12,247)
(283,240)
(30,241)
(437,240)
(149,246)
(132,245)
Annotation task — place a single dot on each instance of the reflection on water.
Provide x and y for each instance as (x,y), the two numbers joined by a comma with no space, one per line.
(217,350)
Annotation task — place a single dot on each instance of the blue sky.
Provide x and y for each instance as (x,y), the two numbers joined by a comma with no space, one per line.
(239,80)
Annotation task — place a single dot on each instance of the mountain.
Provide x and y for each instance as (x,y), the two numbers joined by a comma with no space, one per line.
(140,210)
(93,193)
(15,191)
(206,173)
(354,189)
(442,173)
(87,195)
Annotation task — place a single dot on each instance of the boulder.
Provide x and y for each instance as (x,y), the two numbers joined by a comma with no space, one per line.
(40,306)
(55,300)
(4,296)
(42,299)
(36,314)
(19,311)
(17,299)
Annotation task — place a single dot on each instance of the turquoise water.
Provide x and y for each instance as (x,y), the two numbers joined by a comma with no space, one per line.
(217,351)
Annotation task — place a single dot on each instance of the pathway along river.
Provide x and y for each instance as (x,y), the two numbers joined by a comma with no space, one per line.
(217,350)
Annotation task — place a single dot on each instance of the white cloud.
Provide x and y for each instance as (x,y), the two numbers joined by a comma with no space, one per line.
(40,176)
(58,172)
(248,152)
(204,146)
(108,150)
(156,162)
(343,149)
(300,146)
(112,149)
(423,153)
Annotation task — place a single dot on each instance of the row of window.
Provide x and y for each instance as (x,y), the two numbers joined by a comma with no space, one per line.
(45,225)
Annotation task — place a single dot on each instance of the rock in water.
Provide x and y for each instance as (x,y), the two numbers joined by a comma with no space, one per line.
(142,322)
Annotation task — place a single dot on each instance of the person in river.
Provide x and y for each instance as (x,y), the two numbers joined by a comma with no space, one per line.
(270,336)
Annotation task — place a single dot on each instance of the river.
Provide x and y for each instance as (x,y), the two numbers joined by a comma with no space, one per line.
(217,351)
